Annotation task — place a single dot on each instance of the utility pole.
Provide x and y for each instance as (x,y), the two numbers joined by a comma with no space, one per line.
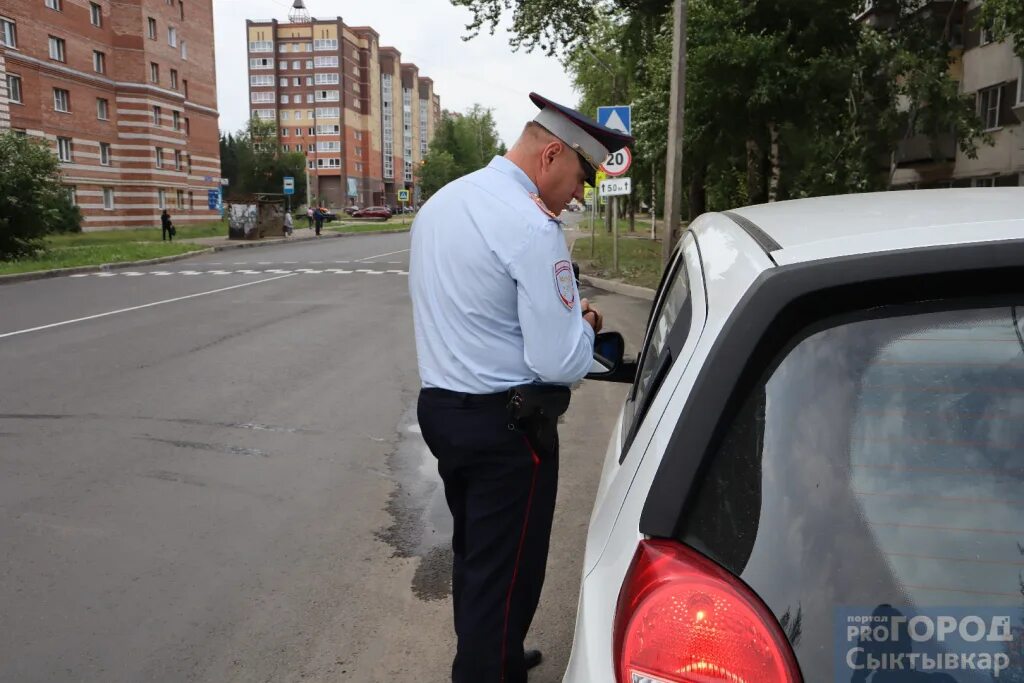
(676,120)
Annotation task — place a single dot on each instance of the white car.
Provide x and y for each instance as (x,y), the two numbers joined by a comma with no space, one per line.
(825,430)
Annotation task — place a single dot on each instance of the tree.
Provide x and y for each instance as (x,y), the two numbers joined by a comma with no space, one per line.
(253,161)
(462,143)
(33,202)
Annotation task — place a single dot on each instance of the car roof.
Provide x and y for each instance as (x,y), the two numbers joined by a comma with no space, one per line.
(825,227)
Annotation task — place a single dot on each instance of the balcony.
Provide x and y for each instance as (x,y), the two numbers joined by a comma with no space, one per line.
(921,149)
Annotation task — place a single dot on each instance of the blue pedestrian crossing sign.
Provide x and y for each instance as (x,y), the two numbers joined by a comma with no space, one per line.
(618,118)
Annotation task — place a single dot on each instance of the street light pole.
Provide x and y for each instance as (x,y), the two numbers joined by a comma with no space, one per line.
(676,120)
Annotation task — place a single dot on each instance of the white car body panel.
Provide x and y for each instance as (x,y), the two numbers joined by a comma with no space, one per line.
(735,261)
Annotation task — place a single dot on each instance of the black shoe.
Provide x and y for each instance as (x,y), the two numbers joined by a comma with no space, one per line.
(532,658)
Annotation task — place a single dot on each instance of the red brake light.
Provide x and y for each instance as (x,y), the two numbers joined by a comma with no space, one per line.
(683,619)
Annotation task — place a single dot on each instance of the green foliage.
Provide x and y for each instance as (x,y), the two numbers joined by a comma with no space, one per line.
(253,161)
(462,144)
(32,200)
(1006,17)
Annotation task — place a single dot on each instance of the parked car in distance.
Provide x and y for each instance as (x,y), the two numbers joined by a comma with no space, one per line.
(351,209)
(823,430)
(373,212)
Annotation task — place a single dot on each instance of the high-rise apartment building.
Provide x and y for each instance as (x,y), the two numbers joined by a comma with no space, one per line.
(125,93)
(361,116)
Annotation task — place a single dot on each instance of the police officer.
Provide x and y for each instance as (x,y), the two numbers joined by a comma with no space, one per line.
(501,334)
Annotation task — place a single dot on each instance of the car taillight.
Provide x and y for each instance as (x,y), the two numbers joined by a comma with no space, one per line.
(683,619)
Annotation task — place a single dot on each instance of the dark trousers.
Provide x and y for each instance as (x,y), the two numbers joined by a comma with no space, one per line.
(319,225)
(165,233)
(500,485)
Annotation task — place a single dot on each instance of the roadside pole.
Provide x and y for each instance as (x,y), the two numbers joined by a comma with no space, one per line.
(676,120)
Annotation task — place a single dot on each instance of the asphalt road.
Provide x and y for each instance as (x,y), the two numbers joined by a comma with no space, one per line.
(210,471)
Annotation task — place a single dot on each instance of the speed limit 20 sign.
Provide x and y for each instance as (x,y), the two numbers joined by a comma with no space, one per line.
(618,162)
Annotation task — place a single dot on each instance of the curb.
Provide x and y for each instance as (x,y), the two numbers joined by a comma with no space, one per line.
(61,272)
(618,287)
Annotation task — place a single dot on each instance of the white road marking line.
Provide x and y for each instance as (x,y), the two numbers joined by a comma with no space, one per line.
(106,274)
(249,272)
(132,273)
(390,253)
(190,272)
(276,270)
(219,272)
(136,308)
(398,272)
(81,275)
(364,270)
(161,272)
(339,271)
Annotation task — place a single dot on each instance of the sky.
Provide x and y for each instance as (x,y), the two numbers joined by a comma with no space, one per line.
(428,33)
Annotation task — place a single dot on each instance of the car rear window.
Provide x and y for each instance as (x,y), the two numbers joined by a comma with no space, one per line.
(880,463)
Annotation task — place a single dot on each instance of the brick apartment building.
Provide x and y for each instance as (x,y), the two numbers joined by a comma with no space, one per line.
(361,115)
(126,94)
(993,74)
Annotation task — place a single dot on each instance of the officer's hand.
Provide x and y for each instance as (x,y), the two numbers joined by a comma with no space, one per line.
(590,314)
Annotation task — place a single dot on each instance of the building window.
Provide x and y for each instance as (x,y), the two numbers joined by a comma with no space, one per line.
(73,194)
(172,36)
(309,63)
(309,98)
(298,132)
(309,80)
(262,96)
(283,81)
(264,114)
(108,198)
(311,132)
(161,199)
(14,88)
(154,72)
(191,203)
(988,106)
(282,65)
(159,157)
(64,150)
(176,118)
(99,62)
(184,50)
(158,114)
(61,100)
(327,79)
(181,9)
(174,79)
(284,132)
(285,115)
(104,154)
(359,151)
(325,44)
(57,49)
(987,34)
(297,65)
(359,167)
(188,127)
(8,33)
(177,160)
(261,46)
(95,14)
(261,81)
(181,198)
(983,182)
(151,24)
(285,99)
(102,109)
(55,5)
(296,81)
(298,115)
(325,61)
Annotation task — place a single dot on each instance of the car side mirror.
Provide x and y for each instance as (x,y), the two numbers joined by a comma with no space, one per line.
(609,363)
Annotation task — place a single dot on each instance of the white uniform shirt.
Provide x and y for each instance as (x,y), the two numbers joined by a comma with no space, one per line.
(494,300)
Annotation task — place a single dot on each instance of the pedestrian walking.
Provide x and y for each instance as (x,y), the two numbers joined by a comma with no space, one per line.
(318,217)
(309,215)
(501,334)
(288,227)
(166,227)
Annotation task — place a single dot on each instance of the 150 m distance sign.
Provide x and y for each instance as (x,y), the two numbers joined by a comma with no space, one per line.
(615,186)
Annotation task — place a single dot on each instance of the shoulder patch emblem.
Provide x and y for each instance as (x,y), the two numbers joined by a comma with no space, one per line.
(564,284)
(542,206)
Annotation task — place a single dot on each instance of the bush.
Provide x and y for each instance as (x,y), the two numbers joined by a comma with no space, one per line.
(32,200)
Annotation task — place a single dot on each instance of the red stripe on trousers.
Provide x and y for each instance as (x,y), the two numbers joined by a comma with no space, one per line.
(519,552)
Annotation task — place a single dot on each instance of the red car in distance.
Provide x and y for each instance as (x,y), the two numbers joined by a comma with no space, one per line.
(382,212)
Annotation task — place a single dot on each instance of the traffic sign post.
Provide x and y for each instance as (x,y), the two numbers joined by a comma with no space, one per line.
(616,187)
(403,197)
(289,190)
(618,118)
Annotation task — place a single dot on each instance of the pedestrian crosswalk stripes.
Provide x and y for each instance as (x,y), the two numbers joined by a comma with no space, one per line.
(245,271)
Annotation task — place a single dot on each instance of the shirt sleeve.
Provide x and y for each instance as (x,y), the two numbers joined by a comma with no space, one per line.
(558,343)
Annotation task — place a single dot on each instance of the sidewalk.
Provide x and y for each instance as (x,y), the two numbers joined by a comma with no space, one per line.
(222,242)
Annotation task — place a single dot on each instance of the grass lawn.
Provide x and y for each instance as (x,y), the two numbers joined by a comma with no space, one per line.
(393,223)
(186,231)
(639,259)
(96,254)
